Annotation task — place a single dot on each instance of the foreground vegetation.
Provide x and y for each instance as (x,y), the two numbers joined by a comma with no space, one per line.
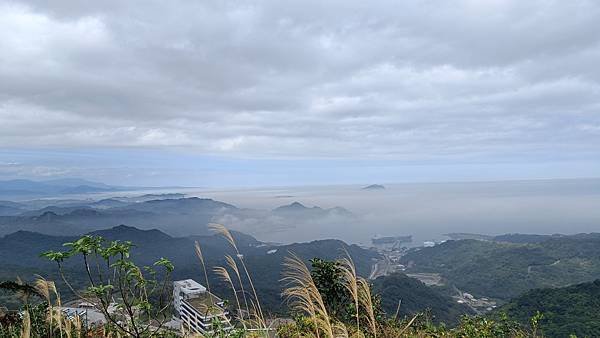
(327,299)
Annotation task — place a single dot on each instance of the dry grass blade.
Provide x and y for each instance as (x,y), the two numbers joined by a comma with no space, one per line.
(303,294)
(222,230)
(259,313)
(46,289)
(233,265)
(78,326)
(398,309)
(366,300)
(26,330)
(68,328)
(198,251)
(409,324)
(340,330)
(222,273)
(22,295)
(41,286)
(201,258)
(258,319)
(351,283)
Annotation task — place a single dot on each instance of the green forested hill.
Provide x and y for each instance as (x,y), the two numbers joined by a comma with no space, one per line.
(416,297)
(570,310)
(506,270)
(19,257)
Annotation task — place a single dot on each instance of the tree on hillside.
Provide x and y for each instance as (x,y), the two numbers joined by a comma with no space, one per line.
(133,299)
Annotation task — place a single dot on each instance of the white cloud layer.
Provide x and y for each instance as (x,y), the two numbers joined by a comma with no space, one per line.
(349,79)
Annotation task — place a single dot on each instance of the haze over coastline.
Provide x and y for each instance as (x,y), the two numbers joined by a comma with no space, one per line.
(428,210)
(424,210)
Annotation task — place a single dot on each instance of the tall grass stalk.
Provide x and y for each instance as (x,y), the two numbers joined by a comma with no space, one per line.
(351,284)
(26,329)
(68,328)
(366,300)
(54,315)
(397,310)
(225,276)
(258,320)
(233,265)
(201,258)
(303,294)
(220,229)
(409,324)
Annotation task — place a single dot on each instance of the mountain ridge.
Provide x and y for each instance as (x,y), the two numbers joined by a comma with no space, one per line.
(568,310)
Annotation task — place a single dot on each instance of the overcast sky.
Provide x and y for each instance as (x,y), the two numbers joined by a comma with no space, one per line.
(280,92)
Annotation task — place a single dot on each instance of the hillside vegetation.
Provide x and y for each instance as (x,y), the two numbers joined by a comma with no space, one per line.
(570,310)
(415,297)
(327,300)
(506,270)
(20,251)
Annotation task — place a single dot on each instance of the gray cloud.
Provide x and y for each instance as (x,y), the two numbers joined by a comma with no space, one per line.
(404,80)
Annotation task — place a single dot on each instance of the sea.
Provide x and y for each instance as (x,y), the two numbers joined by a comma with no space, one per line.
(427,211)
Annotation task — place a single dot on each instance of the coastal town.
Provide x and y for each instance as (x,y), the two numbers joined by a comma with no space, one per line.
(393,248)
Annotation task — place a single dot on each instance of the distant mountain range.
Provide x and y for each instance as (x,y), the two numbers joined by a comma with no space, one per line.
(508,238)
(56,207)
(23,247)
(298,209)
(29,188)
(184,216)
(8,208)
(171,213)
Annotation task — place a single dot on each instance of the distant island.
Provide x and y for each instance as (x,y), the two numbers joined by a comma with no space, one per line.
(374,187)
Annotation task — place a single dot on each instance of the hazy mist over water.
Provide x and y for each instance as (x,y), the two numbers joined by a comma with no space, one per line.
(428,210)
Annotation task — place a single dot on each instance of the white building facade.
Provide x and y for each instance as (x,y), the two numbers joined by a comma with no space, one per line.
(197,308)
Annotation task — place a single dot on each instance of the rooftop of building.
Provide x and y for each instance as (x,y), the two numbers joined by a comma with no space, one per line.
(206,303)
(189,286)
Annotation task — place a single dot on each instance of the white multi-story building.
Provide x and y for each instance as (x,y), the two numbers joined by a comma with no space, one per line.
(197,308)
